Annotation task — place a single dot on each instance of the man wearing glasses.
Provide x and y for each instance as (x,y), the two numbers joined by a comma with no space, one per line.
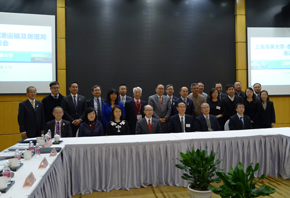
(161,107)
(51,101)
(197,98)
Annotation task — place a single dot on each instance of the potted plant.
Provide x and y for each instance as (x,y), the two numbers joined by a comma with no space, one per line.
(199,171)
(240,184)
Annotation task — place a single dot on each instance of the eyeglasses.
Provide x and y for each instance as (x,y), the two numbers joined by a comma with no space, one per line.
(54,87)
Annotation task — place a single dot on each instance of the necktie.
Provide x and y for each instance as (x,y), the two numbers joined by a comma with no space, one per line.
(182,125)
(123,101)
(75,103)
(242,123)
(55,97)
(160,100)
(137,103)
(208,124)
(149,125)
(57,128)
(99,109)
(33,105)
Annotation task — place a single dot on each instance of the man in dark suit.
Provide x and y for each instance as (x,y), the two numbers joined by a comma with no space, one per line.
(148,124)
(238,90)
(161,106)
(52,100)
(170,92)
(239,121)
(30,115)
(123,97)
(96,102)
(258,88)
(181,122)
(230,102)
(135,109)
(190,110)
(206,122)
(58,125)
(219,87)
(74,106)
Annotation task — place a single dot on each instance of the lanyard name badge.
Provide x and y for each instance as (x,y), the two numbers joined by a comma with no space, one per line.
(139,115)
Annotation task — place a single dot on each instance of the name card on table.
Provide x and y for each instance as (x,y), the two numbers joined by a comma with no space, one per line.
(43,163)
(48,144)
(29,181)
(53,152)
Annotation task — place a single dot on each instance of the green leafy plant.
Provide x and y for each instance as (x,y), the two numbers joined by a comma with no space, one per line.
(199,168)
(238,184)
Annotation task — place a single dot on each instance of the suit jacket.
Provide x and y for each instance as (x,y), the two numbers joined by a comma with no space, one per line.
(267,117)
(201,125)
(159,111)
(222,96)
(174,98)
(235,123)
(190,110)
(242,94)
(85,131)
(230,106)
(70,114)
(90,103)
(127,99)
(175,124)
(65,128)
(31,121)
(131,116)
(49,103)
(142,126)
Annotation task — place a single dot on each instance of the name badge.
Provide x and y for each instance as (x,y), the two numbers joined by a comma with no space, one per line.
(139,117)
(218,107)
(187,125)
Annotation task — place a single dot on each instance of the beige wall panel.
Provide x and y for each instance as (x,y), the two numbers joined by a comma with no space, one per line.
(241,56)
(8,140)
(60,22)
(61,78)
(60,3)
(18,98)
(8,117)
(282,108)
(281,125)
(242,77)
(240,7)
(240,28)
(61,54)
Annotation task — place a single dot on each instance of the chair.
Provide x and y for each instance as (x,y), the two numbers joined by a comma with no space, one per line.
(226,127)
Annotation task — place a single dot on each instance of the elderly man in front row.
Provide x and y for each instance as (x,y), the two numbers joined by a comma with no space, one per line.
(135,109)
(148,124)
(161,106)
(58,126)
(181,122)
(206,122)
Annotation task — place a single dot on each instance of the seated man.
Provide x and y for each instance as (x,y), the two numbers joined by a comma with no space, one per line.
(59,126)
(240,121)
(148,124)
(181,122)
(206,122)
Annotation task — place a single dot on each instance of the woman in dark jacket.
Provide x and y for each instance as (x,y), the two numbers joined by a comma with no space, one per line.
(267,111)
(252,107)
(118,125)
(91,126)
(216,106)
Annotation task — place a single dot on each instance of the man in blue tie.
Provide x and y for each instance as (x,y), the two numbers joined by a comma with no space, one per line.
(240,121)
(58,126)
(74,106)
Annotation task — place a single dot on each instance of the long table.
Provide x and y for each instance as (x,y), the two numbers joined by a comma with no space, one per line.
(122,162)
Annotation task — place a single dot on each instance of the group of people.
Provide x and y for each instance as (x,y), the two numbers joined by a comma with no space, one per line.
(119,114)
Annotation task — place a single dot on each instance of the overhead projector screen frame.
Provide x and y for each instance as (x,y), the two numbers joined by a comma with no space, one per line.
(268,33)
(31,20)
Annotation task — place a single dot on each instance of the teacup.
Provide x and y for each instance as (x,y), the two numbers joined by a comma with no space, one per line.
(56,138)
(27,155)
(13,163)
(3,183)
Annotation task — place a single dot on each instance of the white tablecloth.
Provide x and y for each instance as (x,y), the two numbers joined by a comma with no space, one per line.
(124,162)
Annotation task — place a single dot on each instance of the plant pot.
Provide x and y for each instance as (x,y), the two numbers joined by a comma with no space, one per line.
(199,194)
